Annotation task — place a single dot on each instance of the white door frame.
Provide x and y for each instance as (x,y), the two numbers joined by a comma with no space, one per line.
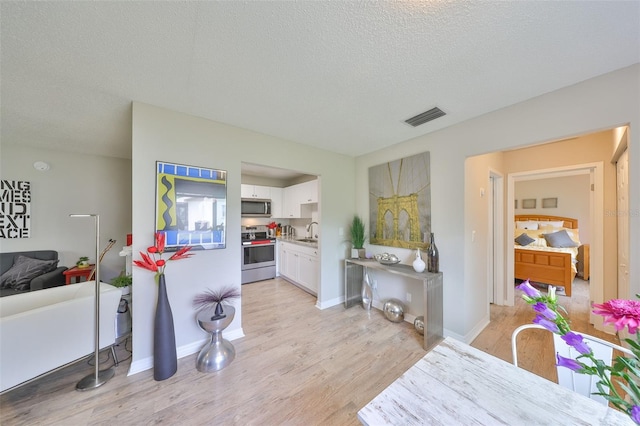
(596,170)
(495,249)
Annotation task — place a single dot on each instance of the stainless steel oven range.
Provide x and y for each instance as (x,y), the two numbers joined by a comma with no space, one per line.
(258,254)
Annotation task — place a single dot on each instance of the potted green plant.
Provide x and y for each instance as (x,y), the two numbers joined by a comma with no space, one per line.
(357,237)
(123,282)
(83,262)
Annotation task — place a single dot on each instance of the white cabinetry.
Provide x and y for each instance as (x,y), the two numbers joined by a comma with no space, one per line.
(297,195)
(308,192)
(290,202)
(255,191)
(290,269)
(299,264)
(276,202)
(308,271)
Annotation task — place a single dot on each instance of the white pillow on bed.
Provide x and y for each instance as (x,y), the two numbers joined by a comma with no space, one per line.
(551,224)
(574,234)
(527,225)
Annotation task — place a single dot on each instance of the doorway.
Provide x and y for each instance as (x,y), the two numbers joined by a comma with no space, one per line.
(596,227)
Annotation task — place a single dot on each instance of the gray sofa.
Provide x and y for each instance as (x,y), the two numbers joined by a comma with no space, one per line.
(46,280)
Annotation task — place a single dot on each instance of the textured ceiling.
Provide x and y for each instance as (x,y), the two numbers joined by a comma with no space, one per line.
(342,76)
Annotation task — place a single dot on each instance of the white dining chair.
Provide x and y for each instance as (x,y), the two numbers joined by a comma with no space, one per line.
(584,384)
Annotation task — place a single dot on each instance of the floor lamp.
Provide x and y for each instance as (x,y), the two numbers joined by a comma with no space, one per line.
(99,378)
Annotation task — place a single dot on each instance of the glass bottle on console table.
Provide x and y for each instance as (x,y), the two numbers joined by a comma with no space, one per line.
(433,258)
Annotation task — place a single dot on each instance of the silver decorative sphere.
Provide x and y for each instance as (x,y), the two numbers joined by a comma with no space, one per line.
(393,310)
(418,323)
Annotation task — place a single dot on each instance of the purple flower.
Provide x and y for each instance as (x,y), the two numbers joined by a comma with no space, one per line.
(575,340)
(543,309)
(549,325)
(635,414)
(528,289)
(569,363)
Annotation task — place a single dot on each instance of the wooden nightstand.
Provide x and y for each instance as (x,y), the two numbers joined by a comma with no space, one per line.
(77,273)
(583,261)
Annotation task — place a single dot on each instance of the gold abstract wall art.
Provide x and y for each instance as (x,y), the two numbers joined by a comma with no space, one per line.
(400,202)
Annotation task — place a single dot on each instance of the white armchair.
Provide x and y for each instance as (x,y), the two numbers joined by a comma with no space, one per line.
(583,384)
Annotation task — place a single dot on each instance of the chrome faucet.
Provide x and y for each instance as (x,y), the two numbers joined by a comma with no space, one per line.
(309,226)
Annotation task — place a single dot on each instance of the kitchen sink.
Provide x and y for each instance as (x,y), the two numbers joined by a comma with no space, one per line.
(307,240)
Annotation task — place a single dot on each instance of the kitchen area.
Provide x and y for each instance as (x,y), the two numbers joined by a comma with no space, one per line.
(280,226)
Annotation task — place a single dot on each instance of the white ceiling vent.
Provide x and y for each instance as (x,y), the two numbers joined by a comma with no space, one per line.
(425,117)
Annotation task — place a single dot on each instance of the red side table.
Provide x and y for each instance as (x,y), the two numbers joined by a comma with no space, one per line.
(78,273)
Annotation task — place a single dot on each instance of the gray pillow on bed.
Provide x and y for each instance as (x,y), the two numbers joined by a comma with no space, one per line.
(560,239)
(524,240)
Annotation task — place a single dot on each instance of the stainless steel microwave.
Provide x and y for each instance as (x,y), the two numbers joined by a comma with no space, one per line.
(254,207)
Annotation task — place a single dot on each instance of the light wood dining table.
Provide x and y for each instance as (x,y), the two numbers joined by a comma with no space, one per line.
(456,384)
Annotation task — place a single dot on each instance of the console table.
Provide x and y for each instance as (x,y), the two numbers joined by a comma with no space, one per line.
(354,270)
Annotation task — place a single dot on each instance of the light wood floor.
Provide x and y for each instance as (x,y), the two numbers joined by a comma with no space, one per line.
(297,365)
(535,347)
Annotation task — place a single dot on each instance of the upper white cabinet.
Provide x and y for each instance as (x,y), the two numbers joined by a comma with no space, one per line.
(255,191)
(291,202)
(276,202)
(309,192)
(297,195)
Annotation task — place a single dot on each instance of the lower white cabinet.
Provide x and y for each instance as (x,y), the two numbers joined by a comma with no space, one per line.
(299,264)
(308,271)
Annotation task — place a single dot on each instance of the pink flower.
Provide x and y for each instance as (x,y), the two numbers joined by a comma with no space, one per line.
(621,313)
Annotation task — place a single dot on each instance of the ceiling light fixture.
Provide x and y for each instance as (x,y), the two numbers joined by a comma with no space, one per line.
(41,166)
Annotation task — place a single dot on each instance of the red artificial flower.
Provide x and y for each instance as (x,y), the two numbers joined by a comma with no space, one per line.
(153,261)
(182,253)
(621,313)
(147,262)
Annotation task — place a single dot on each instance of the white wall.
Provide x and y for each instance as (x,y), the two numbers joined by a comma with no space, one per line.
(76,183)
(572,193)
(477,198)
(601,103)
(160,134)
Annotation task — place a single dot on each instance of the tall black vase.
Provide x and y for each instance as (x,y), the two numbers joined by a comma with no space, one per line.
(165,358)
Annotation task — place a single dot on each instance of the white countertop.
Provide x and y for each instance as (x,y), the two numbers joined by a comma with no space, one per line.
(296,240)
(456,384)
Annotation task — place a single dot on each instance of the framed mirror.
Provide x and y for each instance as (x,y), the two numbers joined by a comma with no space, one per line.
(191,206)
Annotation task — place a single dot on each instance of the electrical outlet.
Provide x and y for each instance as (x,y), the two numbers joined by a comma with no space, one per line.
(408,297)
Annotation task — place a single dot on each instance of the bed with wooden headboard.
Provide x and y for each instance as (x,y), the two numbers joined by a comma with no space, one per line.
(549,266)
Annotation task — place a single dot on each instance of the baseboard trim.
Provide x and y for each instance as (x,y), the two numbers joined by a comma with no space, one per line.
(182,351)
